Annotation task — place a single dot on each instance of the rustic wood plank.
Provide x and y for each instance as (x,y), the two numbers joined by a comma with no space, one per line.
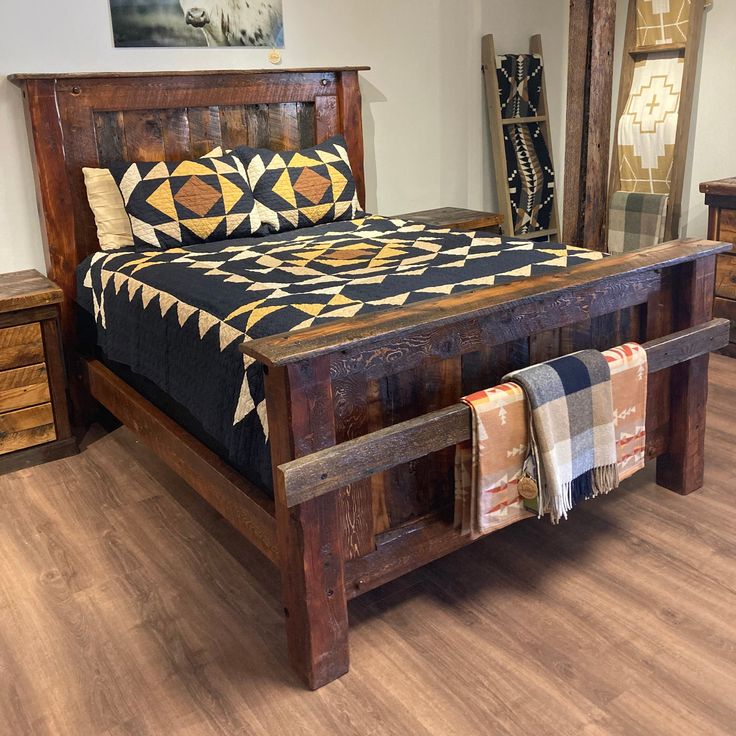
(327,117)
(726,276)
(110,137)
(20,439)
(23,387)
(351,125)
(204,129)
(175,133)
(21,345)
(301,420)
(682,468)
(355,501)
(27,290)
(241,503)
(456,218)
(51,334)
(32,416)
(144,135)
(403,442)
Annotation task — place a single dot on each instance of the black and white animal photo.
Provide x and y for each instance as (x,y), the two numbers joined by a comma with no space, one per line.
(198,23)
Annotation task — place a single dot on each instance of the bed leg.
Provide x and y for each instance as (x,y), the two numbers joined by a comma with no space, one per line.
(301,421)
(681,468)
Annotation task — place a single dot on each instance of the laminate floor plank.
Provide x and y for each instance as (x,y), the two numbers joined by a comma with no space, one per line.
(129,607)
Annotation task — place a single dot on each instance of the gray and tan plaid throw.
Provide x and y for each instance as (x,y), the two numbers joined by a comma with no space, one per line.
(571,427)
(636,221)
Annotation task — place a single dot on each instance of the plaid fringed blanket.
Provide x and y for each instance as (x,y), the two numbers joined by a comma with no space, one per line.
(636,220)
(571,425)
(488,470)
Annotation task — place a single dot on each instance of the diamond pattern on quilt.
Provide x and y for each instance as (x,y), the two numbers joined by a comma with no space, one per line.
(174,204)
(296,189)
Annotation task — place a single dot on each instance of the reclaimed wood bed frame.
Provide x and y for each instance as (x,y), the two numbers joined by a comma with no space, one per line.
(362,412)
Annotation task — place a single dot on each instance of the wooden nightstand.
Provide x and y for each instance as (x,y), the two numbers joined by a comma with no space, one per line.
(720,196)
(457,218)
(34,417)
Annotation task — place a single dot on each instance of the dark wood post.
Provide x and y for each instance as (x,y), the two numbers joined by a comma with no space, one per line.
(681,468)
(588,135)
(301,421)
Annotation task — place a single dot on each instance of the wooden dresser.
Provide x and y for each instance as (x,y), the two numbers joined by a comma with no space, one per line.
(720,196)
(34,418)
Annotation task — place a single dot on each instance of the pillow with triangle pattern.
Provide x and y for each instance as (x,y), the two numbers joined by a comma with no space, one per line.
(180,203)
(296,189)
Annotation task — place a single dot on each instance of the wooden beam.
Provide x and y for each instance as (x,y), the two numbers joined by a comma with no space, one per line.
(589,91)
(349,462)
(240,502)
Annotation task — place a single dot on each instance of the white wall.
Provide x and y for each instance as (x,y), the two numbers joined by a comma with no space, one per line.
(711,150)
(423,99)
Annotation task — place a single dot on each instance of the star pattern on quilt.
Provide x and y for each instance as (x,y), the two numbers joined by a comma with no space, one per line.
(265,286)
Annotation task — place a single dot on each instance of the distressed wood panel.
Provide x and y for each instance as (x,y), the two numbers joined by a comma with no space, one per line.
(20,345)
(26,428)
(23,387)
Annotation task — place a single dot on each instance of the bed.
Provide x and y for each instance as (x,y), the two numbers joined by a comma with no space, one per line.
(360,410)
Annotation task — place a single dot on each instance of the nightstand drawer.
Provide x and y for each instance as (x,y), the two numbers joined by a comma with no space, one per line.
(22,387)
(26,428)
(21,345)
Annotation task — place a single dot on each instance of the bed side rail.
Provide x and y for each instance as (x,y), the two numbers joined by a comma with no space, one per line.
(327,470)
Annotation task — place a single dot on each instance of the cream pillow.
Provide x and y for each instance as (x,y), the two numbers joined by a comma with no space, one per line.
(106,203)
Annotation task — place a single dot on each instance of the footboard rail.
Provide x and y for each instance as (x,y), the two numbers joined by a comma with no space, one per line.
(334,467)
(355,405)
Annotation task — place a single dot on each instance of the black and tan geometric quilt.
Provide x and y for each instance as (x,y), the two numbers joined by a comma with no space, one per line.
(177,203)
(177,317)
(519,84)
(531,177)
(297,189)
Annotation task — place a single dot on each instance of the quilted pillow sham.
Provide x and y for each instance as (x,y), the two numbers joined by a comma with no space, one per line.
(108,209)
(180,203)
(296,189)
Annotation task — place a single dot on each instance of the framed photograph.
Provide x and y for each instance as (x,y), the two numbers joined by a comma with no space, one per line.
(253,23)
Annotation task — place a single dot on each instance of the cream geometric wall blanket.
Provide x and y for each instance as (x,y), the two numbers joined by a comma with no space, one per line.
(660,22)
(648,127)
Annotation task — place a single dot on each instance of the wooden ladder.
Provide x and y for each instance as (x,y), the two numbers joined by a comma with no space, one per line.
(689,50)
(497,123)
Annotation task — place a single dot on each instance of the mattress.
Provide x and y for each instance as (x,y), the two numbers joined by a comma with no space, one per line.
(170,322)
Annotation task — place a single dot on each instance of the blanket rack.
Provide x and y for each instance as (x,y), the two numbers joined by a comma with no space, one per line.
(334,467)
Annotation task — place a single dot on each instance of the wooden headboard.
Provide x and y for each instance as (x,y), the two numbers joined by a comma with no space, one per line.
(77,120)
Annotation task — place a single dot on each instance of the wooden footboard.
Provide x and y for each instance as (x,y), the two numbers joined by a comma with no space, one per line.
(352,518)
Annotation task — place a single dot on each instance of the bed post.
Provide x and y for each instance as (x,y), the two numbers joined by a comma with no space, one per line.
(681,468)
(301,421)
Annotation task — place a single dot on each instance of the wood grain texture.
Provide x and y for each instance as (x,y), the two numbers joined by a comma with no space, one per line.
(21,345)
(682,468)
(26,290)
(301,420)
(589,85)
(21,387)
(456,218)
(107,615)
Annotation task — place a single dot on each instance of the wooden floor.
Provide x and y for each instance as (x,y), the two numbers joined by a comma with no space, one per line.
(128,607)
